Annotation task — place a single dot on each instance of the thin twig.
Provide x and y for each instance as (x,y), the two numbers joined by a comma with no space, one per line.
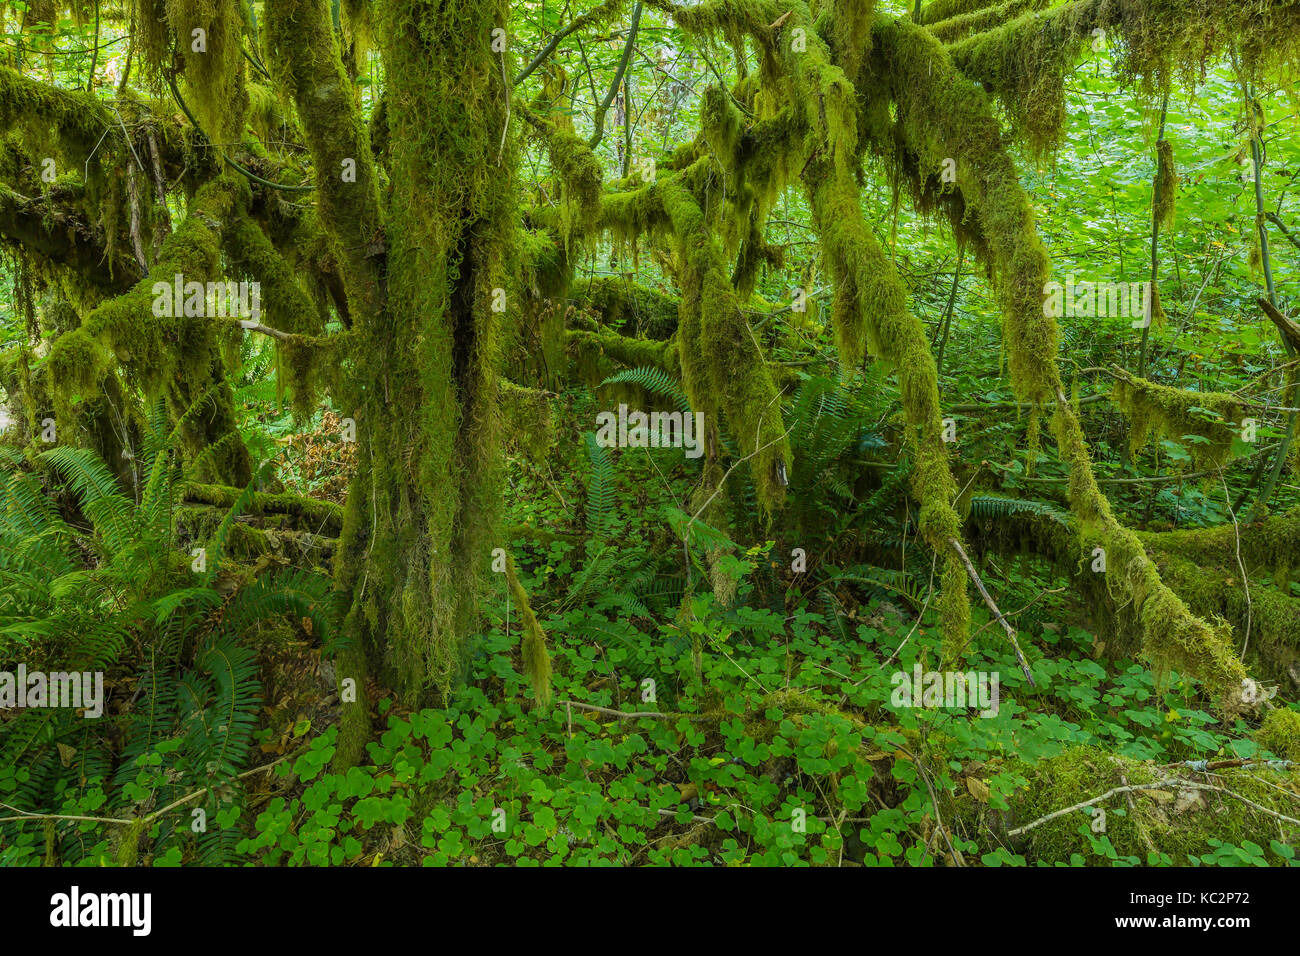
(988,600)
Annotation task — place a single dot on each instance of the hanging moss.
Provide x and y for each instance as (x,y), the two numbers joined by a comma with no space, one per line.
(722,365)
(421,510)
(941,115)
(174,356)
(265,117)
(578,170)
(1165,189)
(1026,60)
(1160,411)
(628,307)
(214,78)
(537,661)
(545,268)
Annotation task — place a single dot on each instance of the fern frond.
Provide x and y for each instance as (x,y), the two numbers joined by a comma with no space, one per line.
(653,380)
(993,507)
(600,490)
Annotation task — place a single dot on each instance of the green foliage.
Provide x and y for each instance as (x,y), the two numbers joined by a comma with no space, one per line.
(143,617)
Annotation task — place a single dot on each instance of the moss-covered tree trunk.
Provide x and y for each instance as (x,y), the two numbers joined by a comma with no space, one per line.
(427,294)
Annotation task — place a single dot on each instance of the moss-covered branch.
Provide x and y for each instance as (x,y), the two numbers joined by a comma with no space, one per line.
(174,355)
(976,21)
(1155,410)
(942,116)
(1235,804)
(306,52)
(627,306)
(1024,61)
(314,515)
(62,236)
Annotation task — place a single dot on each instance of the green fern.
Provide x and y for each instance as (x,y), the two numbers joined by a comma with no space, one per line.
(993,508)
(600,490)
(655,381)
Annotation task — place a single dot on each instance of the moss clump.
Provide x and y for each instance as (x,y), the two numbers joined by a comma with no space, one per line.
(958,27)
(1172,820)
(1280,733)
(1272,544)
(1165,189)
(128,846)
(1025,60)
(174,356)
(628,307)
(939,10)
(1155,410)
(537,661)
(526,417)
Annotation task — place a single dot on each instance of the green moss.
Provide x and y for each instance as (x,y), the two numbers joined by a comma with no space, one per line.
(537,662)
(128,846)
(173,356)
(265,117)
(628,307)
(1271,545)
(939,10)
(1025,60)
(285,306)
(595,356)
(1266,613)
(544,263)
(1165,190)
(721,125)
(722,366)
(1280,733)
(313,514)
(214,78)
(526,419)
(958,27)
(418,529)
(1160,411)
(1170,820)
(578,171)
(942,116)
(305,51)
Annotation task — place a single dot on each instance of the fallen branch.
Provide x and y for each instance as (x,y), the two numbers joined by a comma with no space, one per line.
(988,600)
(1158,785)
